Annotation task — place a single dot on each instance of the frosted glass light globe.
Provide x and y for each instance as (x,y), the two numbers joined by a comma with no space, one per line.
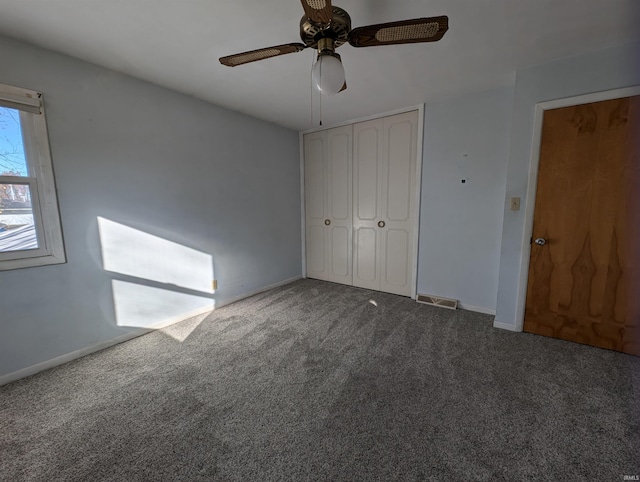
(328,75)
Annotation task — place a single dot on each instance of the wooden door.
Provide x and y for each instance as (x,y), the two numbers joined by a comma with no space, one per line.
(327,160)
(584,282)
(384,175)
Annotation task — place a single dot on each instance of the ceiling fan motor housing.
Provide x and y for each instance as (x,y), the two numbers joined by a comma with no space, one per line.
(338,29)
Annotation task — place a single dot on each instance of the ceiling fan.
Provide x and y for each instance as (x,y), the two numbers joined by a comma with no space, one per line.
(326,27)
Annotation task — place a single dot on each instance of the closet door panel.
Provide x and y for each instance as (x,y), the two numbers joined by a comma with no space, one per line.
(340,271)
(398,194)
(315,187)
(396,267)
(340,174)
(340,207)
(314,176)
(316,249)
(367,183)
(399,179)
(366,272)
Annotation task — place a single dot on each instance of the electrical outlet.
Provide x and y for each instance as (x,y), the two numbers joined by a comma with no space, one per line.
(214,284)
(515,204)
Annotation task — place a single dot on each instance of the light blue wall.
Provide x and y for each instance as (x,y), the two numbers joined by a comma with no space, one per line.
(608,69)
(213,180)
(460,223)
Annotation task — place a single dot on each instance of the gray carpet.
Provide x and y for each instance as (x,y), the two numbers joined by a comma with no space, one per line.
(313,381)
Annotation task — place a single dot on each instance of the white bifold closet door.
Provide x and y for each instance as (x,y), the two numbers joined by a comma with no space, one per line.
(384,207)
(328,204)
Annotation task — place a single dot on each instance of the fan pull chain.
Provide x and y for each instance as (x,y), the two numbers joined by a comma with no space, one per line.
(320,108)
(311,93)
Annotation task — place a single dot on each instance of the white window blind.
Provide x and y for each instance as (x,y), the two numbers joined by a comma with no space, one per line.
(28,103)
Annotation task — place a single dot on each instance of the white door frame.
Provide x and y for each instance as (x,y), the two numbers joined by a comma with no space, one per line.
(416,230)
(532,185)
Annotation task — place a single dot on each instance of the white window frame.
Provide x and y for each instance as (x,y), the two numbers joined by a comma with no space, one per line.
(40,180)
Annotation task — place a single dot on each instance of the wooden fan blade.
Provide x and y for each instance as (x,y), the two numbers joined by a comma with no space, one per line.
(260,54)
(318,11)
(428,29)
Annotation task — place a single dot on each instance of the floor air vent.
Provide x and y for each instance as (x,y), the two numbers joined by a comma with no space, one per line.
(437,301)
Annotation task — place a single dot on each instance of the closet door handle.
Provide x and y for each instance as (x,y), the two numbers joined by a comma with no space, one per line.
(381,224)
(327,222)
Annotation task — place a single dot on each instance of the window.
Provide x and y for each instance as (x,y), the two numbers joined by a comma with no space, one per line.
(30,233)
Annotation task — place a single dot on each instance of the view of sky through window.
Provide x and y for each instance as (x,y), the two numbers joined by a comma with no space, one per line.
(13,161)
(17,227)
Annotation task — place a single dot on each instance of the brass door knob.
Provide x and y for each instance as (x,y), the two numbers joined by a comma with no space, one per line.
(381,224)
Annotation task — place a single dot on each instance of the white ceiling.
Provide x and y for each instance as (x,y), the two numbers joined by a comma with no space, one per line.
(177,43)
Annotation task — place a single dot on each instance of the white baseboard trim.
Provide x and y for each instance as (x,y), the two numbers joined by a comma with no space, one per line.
(504,326)
(258,291)
(477,309)
(33,369)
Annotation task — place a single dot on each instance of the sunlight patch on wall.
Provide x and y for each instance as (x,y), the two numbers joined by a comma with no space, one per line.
(143,306)
(135,253)
(160,282)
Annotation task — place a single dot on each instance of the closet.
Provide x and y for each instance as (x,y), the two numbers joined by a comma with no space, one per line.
(361,203)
